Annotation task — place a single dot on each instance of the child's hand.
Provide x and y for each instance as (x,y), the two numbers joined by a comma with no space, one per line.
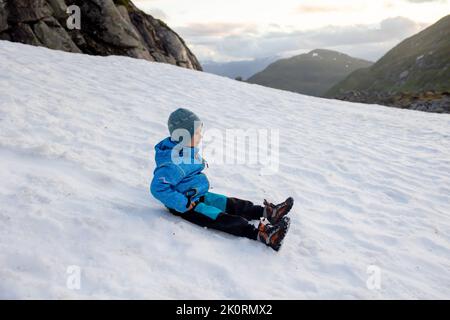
(192,206)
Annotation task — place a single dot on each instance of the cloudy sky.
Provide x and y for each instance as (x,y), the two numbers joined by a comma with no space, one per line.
(231,30)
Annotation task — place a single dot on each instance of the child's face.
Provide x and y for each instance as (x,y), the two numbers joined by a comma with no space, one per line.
(197,136)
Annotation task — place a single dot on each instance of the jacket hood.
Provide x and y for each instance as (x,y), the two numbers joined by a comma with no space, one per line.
(163,151)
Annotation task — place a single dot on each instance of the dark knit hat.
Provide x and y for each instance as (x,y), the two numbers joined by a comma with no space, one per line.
(183,119)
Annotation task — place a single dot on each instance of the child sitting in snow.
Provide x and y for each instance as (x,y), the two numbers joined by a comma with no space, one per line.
(179,183)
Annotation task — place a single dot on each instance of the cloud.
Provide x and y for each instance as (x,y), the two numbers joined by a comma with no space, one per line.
(217,29)
(323,8)
(149,6)
(240,41)
(423,1)
(157,13)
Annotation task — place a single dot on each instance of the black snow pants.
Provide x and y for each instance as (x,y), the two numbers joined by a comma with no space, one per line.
(234,220)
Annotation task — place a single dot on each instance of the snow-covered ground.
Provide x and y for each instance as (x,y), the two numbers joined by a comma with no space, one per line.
(371,184)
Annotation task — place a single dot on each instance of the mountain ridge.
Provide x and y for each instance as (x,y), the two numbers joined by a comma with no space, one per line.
(310,73)
(418,66)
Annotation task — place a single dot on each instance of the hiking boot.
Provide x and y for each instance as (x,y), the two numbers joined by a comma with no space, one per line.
(274,213)
(273,235)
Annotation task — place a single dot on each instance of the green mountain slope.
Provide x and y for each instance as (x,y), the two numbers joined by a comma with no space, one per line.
(311,73)
(418,64)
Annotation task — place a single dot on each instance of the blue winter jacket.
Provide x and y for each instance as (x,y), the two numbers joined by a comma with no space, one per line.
(178,180)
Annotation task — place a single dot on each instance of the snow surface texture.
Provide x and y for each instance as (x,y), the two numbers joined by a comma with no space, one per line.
(371,184)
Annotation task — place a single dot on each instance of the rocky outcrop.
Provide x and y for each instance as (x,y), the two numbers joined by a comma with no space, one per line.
(428,101)
(3,16)
(107,28)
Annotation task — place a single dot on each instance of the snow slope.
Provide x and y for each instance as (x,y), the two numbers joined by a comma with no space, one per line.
(372,187)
